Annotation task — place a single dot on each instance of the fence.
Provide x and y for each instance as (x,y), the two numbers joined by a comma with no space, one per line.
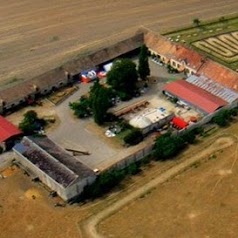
(132,158)
(147,150)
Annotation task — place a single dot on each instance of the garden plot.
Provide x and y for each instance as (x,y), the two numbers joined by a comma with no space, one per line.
(224,47)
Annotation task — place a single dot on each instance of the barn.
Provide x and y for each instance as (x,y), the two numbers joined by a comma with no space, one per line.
(190,94)
(54,167)
(8,133)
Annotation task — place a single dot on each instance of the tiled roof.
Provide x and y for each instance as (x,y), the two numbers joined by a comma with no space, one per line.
(103,55)
(180,53)
(195,95)
(220,73)
(194,60)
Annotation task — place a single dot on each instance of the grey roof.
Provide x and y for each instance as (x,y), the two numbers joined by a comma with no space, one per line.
(53,160)
(213,87)
(105,54)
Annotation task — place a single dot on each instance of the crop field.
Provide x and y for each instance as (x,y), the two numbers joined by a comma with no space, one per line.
(224,46)
(36,36)
(217,40)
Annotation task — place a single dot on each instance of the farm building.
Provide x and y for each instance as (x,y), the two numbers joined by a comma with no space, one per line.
(192,95)
(26,91)
(8,133)
(215,88)
(60,171)
(150,119)
(189,61)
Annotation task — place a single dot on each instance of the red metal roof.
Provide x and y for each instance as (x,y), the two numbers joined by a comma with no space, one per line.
(179,122)
(7,129)
(195,95)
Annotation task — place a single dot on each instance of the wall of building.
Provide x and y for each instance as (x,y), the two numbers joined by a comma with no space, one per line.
(44,178)
(77,188)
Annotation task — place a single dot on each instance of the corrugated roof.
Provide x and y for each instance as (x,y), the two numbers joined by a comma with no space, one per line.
(213,87)
(195,95)
(7,130)
(53,160)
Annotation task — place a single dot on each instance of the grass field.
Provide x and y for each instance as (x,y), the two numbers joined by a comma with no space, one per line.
(216,39)
(36,36)
(201,202)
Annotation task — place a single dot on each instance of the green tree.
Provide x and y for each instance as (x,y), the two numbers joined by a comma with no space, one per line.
(167,146)
(143,68)
(123,76)
(101,101)
(81,108)
(222,118)
(29,123)
(189,137)
(134,137)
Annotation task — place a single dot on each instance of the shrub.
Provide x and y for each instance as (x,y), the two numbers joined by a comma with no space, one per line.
(134,137)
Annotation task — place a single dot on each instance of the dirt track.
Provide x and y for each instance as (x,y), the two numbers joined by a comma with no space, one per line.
(38,35)
(89,228)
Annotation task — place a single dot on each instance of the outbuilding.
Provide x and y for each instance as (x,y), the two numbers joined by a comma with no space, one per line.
(54,167)
(8,133)
(192,95)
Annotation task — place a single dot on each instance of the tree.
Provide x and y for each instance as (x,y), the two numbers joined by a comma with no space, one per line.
(30,122)
(81,108)
(167,146)
(196,21)
(189,137)
(222,118)
(143,68)
(134,137)
(123,76)
(101,101)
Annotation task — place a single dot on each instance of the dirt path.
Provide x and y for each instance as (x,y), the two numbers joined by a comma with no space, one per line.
(89,227)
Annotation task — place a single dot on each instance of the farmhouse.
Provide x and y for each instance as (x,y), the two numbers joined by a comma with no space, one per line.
(185,59)
(60,171)
(8,133)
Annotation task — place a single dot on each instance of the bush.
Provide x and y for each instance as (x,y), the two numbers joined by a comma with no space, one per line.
(189,137)
(103,184)
(81,108)
(133,169)
(31,123)
(134,137)
(222,118)
(167,146)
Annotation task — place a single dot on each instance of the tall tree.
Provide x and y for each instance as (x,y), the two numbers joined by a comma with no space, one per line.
(123,76)
(143,68)
(101,102)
